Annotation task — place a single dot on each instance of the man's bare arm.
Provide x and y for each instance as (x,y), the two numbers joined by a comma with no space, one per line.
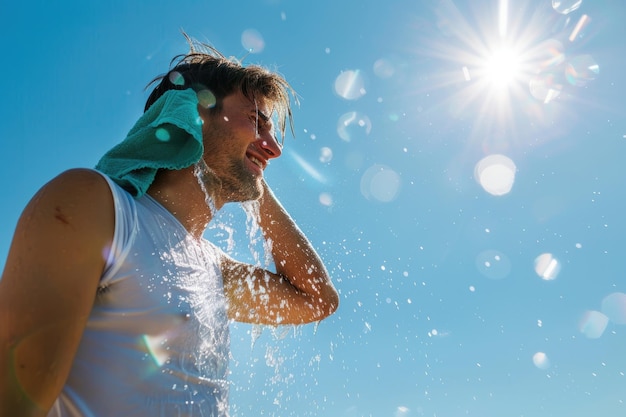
(48,288)
(300,291)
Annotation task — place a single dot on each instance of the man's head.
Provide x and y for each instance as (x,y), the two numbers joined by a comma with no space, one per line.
(214,77)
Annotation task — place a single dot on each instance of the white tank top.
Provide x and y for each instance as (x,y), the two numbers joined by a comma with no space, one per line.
(157,340)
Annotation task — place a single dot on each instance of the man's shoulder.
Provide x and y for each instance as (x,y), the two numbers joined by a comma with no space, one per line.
(79,184)
(82,194)
(79,178)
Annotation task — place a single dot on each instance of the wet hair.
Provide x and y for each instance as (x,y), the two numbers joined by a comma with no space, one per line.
(214,76)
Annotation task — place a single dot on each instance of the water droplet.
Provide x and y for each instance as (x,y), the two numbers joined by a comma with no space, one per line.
(493,264)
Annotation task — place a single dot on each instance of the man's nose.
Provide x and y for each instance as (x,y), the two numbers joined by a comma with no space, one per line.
(269,144)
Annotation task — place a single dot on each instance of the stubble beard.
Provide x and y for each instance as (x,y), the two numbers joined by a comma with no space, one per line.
(236,182)
(240,185)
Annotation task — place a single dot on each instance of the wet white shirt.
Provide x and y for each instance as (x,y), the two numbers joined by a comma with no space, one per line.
(157,340)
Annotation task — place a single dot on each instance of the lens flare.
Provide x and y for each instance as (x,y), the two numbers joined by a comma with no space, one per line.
(580,70)
(308,168)
(545,87)
(352,125)
(380,183)
(350,85)
(155,344)
(578,29)
(176,78)
(541,360)
(383,68)
(326,199)
(206,99)
(614,307)
(496,174)
(253,41)
(566,6)
(592,324)
(547,267)
(402,411)
(162,134)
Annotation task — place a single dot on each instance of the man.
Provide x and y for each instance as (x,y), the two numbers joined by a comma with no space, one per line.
(111,302)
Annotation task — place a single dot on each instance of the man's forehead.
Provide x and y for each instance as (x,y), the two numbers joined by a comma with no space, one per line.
(259,103)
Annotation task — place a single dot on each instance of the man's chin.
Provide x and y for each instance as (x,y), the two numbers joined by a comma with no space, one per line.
(251,194)
(255,197)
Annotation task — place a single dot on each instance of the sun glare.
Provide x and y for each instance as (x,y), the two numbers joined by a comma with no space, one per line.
(502,67)
(507,63)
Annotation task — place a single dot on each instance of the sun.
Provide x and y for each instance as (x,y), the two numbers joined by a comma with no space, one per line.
(502,67)
(497,60)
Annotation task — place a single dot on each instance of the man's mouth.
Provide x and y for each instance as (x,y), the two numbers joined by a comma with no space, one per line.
(256,161)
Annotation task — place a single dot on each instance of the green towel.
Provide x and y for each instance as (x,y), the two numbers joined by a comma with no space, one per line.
(168,135)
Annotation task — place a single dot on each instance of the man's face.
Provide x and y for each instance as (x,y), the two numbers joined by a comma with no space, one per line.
(238,144)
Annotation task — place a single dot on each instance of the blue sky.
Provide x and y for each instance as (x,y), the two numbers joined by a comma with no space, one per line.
(469,209)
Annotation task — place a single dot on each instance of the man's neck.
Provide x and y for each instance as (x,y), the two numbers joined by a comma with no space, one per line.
(181,193)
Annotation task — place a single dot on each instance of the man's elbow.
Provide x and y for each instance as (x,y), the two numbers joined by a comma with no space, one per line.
(329,303)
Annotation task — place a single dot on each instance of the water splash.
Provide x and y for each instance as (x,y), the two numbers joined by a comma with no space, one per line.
(281,332)
(255,333)
(255,235)
(206,176)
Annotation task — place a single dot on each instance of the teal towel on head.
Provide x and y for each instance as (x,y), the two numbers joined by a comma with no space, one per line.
(168,135)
